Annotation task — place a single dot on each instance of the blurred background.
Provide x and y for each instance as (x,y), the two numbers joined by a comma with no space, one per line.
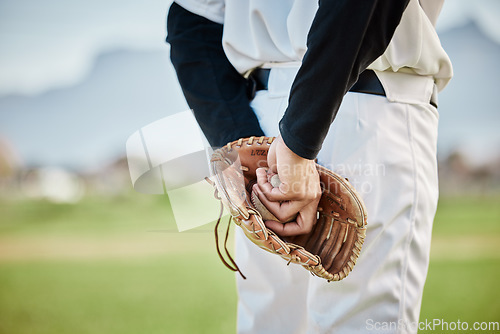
(81,252)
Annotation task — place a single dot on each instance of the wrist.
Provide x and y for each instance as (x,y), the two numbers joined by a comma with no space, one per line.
(297,146)
(294,156)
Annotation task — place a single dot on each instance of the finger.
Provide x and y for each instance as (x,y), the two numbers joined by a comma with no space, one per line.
(305,188)
(281,210)
(262,180)
(269,192)
(271,157)
(272,206)
(304,223)
(287,229)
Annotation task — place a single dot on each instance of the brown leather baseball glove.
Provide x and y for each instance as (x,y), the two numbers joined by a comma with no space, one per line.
(330,250)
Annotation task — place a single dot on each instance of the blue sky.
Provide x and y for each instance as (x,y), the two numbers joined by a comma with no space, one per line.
(52,43)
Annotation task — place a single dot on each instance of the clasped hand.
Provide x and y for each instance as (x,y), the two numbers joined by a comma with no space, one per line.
(298,194)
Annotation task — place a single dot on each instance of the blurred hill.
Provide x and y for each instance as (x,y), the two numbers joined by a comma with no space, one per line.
(83,128)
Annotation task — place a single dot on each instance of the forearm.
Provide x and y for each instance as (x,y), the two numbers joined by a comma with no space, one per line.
(212,87)
(345,38)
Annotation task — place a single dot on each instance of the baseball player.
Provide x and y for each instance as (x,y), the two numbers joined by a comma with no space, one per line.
(354,84)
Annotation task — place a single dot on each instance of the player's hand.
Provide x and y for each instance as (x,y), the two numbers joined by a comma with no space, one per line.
(299,192)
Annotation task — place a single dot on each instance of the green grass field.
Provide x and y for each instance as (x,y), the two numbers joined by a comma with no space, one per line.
(116,265)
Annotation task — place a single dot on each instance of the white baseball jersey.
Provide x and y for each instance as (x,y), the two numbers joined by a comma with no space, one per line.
(261,31)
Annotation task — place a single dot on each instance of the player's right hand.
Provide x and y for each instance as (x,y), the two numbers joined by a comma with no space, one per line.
(298,193)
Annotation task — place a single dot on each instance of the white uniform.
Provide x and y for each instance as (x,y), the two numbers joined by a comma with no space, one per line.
(385,146)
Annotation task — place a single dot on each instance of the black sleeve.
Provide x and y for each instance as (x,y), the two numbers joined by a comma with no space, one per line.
(211,85)
(346,36)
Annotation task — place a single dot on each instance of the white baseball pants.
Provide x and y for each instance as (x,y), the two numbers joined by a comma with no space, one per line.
(387,150)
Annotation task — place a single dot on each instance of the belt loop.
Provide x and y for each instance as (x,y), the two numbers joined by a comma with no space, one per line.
(257,79)
(434,97)
(251,87)
(368,83)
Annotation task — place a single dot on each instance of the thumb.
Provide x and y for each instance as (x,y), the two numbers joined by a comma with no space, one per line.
(271,158)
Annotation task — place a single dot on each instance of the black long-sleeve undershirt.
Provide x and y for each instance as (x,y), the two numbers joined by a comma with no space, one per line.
(213,88)
(346,36)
